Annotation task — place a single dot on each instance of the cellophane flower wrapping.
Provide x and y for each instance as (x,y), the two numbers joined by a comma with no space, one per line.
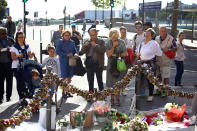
(175,114)
(101,108)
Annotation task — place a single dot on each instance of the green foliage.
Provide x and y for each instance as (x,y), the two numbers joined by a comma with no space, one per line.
(105,3)
(3,5)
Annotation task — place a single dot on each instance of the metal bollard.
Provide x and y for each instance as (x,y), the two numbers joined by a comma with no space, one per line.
(48,120)
(33,33)
(41,52)
(137,86)
(48,113)
(40,35)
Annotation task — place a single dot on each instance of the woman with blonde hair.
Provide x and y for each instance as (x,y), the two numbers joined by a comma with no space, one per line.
(65,48)
(115,48)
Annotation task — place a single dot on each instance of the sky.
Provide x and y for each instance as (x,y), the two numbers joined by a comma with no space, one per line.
(55,7)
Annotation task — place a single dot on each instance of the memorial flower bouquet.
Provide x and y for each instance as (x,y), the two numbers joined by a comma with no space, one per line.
(169,106)
(175,113)
(137,124)
(79,118)
(101,109)
(62,122)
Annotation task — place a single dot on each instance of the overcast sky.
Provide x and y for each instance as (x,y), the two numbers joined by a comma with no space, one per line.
(55,7)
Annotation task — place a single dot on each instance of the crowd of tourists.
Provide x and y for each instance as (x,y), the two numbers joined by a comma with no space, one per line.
(155,50)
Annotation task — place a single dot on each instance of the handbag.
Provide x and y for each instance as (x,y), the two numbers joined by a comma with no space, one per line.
(121,66)
(170,54)
(113,68)
(79,70)
(129,59)
(72,61)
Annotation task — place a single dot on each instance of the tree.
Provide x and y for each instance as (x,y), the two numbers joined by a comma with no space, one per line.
(105,3)
(174,19)
(3,5)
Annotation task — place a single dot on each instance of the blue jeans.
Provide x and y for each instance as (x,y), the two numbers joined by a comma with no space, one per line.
(20,82)
(179,72)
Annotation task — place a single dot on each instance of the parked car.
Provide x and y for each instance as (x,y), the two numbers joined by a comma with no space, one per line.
(77,21)
(89,21)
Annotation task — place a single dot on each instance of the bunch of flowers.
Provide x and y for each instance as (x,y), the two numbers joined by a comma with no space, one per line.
(152,119)
(62,122)
(137,124)
(175,113)
(79,118)
(169,106)
(116,116)
(101,109)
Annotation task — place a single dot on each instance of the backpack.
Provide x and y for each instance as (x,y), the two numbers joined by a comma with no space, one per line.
(75,39)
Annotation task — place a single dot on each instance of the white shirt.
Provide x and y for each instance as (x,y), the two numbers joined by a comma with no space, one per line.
(180,56)
(15,63)
(127,42)
(52,62)
(149,50)
(139,39)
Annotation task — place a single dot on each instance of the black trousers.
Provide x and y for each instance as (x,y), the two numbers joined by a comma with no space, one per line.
(6,74)
(90,75)
(150,86)
(20,83)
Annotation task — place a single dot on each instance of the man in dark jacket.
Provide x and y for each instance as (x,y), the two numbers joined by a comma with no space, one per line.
(11,27)
(94,50)
(57,35)
(5,65)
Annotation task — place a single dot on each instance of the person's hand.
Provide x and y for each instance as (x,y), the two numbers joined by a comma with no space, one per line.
(86,43)
(8,48)
(33,54)
(138,55)
(93,44)
(70,55)
(115,43)
(113,55)
(165,49)
(20,56)
(76,56)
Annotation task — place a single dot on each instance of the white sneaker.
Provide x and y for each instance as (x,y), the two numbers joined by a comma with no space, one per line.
(150,98)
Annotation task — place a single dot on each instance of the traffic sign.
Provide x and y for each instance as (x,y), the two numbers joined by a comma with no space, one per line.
(150,6)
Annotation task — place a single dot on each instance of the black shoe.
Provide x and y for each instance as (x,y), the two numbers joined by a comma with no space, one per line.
(24,103)
(69,95)
(8,99)
(89,100)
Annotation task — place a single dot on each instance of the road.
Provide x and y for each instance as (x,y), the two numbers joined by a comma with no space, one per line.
(77,102)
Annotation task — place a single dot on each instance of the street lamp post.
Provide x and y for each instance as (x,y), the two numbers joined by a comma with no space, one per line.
(143,12)
(64,11)
(46,19)
(46,13)
(24,18)
(111,15)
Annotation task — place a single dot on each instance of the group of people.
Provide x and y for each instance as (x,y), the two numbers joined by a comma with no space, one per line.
(145,46)
(159,52)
